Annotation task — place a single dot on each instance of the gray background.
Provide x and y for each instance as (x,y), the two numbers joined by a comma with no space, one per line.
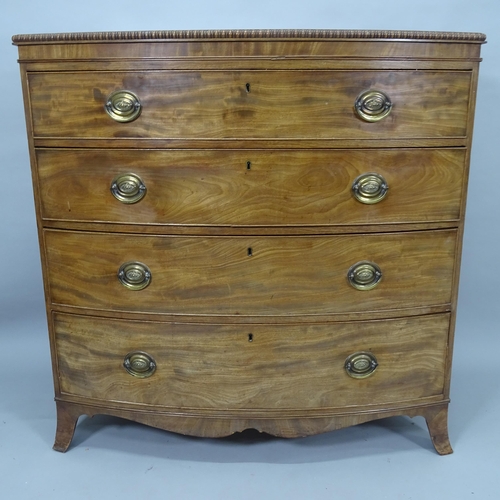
(111,458)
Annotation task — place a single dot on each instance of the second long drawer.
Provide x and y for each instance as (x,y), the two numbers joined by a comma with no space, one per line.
(253,188)
(240,275)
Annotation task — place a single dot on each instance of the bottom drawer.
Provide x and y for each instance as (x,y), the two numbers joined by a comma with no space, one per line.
(250,367)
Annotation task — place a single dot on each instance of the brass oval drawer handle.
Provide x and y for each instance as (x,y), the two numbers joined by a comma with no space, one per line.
(364,275)
(134,275)
(372,105)
(360,364)
(128,188)
(370,188)
(123,106)
(139,364)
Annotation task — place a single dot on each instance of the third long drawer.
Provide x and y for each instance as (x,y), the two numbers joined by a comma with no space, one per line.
(250,276)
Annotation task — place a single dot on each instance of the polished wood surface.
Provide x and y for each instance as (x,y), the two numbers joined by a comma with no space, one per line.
(282,276)
(253,188)
(192,424)
(248,144)
(281,105)
(283,367)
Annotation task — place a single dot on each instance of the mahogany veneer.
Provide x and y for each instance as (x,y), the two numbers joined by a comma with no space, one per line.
(261,229)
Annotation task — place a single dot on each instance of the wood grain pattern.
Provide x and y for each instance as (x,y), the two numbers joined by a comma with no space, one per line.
(261,251)
(245,143)
(216,104)
(295,52)
(219,426)
(276,63)
(287,367)
(278,188)
(284,275)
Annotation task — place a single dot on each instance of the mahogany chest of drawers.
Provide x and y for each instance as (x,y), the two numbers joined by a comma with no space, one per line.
(250,229)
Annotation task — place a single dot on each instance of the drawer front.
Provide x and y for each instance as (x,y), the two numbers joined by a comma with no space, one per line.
(250,104)
(249,275)
(215,366)
(253,188)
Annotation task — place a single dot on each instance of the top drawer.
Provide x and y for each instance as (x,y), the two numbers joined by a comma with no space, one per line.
(250,104)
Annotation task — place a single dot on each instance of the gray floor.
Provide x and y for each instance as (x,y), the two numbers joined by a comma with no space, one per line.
(112,458)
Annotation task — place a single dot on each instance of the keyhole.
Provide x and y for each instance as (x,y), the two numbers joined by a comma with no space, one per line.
(249,251)
(247,86)
(249,165)
(250,337)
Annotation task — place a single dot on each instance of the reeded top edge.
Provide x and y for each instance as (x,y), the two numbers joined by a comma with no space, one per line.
(246,34)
